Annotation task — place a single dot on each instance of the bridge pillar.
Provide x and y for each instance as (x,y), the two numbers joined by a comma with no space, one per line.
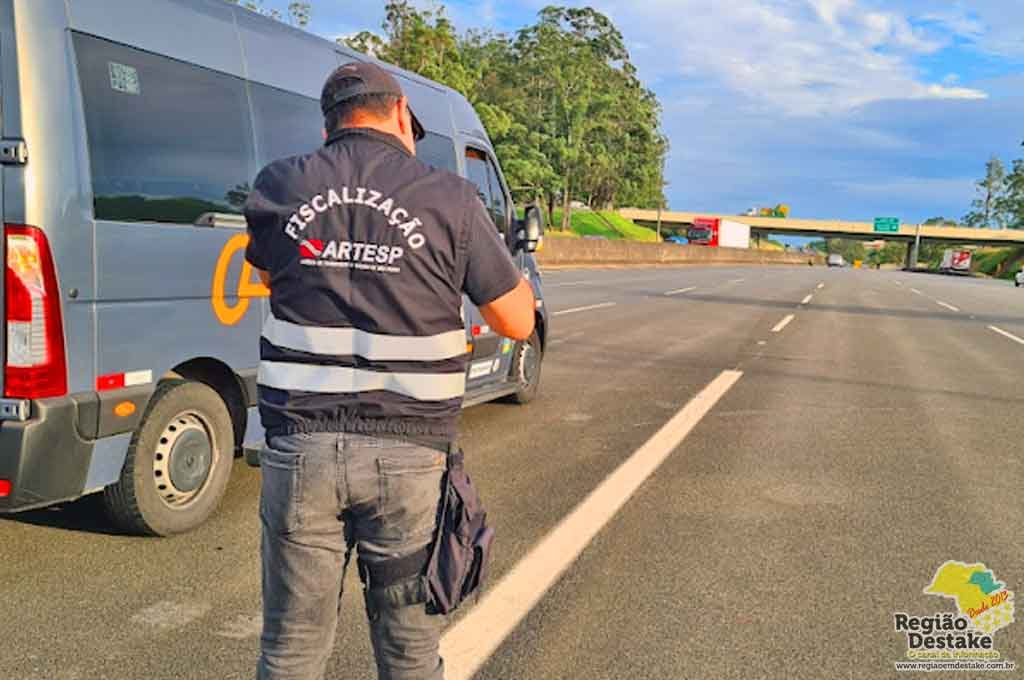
(911,262)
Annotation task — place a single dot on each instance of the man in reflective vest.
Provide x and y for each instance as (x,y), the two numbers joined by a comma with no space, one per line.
(367,253)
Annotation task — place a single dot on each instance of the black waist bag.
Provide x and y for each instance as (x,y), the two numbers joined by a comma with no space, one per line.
(462,546)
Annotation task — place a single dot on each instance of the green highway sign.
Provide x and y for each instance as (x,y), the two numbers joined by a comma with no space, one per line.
(889,225)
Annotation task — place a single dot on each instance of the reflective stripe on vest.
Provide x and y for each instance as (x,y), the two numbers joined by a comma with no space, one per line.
(341,380)
(370,346)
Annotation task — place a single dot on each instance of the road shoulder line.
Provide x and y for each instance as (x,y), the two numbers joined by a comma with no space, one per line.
(468,644)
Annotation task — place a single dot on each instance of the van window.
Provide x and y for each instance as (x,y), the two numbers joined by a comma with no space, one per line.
(286,124)
(480,170)
(499,204)
(476,172)
(168,141)
(437,151)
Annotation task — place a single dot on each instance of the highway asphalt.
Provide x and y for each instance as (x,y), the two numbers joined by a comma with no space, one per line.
(873,433)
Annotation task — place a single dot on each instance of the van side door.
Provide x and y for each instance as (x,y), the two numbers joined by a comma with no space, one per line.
(492,354)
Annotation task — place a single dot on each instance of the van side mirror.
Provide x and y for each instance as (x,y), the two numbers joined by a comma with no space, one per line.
(530,229)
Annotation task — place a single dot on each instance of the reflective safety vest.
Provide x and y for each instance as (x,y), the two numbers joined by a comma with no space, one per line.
(369,252)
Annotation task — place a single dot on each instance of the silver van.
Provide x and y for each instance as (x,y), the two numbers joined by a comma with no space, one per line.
(132,130)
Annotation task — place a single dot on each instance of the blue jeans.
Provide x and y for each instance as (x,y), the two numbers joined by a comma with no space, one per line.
(389,492)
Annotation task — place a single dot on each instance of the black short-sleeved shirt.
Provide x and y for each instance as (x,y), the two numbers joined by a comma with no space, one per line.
(368,251)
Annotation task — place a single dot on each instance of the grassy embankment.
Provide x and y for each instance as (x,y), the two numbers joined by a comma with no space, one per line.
(1000,263)
(613,226)
(604,223)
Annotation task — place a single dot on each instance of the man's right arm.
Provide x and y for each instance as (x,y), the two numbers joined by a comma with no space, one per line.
(493,281)
(512,314)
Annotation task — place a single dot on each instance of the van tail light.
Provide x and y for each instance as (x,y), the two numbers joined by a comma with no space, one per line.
(35,364)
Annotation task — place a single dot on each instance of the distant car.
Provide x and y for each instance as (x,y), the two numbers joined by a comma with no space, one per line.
(835,260)
(1019,279)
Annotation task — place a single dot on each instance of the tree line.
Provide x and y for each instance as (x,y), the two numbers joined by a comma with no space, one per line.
(1000,200)
(568,116)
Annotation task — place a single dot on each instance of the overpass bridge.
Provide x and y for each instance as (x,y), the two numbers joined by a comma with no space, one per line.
(839,228)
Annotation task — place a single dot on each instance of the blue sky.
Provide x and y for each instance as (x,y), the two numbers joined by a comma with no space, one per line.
(840,108)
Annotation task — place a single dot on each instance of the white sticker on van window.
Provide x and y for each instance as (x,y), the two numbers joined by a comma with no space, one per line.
(124,78)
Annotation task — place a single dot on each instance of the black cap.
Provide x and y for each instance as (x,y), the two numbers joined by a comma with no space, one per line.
(360,78)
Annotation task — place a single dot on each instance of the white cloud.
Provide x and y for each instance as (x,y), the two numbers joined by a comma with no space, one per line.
(798,57)
(992,26)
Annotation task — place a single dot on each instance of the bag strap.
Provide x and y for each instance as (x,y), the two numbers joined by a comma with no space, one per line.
(350,544)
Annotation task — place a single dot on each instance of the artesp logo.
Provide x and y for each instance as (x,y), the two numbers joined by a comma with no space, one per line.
(311,248)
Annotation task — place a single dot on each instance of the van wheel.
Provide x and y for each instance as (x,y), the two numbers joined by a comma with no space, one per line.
(526,369)
(178,464)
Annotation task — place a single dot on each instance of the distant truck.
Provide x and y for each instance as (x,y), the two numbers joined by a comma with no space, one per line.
(719,233)
(956,262)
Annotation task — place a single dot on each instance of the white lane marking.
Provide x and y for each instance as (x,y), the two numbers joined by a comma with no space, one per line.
(167,615)
(469,643)
(782,324)
(567,338)
(1006,334)
(820,286)
(737,281)
(948,306)
(681,291)
(807,300)
(242,627)
(898,283)
(584,309)
(915,291)
(573,283)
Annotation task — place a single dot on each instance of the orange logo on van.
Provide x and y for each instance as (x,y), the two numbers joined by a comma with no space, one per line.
(227,314)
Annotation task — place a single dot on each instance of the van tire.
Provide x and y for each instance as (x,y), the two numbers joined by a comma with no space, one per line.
(526,369)
(185,439)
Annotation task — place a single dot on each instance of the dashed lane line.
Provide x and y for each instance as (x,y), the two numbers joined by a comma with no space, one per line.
(681,291)
(584,309)
(947,306)
(569,284)
(468,644)
(807,300)
(1006,334)
(779,327)
(820,286)
(915,291)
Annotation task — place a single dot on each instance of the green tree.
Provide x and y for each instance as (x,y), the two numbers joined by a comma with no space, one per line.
(988,208)
(850,250)
(1010,205)
(422,41)
(598,123)
(299,13)
(563,106)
